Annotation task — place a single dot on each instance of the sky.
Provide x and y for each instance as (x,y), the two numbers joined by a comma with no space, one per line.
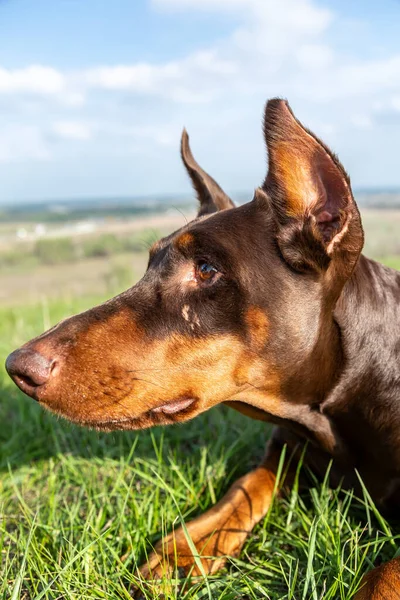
(94,94)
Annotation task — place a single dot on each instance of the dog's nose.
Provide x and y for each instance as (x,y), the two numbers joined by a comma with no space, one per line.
(29,369)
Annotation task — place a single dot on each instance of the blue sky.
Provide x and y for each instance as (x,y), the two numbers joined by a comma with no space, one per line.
(94,94)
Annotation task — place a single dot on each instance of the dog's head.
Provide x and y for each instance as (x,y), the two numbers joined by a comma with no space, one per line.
(233,306)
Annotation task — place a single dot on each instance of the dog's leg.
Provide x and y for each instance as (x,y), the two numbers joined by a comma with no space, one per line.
(222,530)
(382,583)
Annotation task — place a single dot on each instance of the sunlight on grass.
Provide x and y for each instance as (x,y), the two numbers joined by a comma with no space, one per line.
(81,509)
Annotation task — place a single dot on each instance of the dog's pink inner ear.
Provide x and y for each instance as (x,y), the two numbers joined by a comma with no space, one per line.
(211,196)
(304,178)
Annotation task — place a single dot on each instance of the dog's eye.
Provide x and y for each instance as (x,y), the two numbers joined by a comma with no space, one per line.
(205,272)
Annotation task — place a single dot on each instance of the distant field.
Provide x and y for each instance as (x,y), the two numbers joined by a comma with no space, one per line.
(382,235)
(113,256)
(100,262)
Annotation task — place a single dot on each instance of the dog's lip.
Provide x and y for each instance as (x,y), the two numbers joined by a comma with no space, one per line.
(162,414)
(174,406)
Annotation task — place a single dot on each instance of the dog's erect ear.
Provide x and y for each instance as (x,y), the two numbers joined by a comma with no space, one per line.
(211,197)
(309,191)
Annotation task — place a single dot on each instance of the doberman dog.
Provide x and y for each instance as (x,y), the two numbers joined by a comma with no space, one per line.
(268,307)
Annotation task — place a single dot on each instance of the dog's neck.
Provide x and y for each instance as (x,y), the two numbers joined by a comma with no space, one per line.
(351,367)
(368,315)
(358,344)
(364,406)
(362,334)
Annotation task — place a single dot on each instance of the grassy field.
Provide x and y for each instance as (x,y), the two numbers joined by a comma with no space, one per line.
(79,509)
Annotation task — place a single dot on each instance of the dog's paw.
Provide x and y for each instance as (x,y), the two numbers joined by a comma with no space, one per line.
(161,580)
(176,562)
(203,547)
(194,552)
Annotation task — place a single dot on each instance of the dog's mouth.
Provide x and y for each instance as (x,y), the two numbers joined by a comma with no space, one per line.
(174,406)
(170,412)
(178,409)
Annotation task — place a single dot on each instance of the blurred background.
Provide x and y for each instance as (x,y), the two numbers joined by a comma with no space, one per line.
(94,96)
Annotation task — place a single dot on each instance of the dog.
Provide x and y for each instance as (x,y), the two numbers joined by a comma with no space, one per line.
(268,307)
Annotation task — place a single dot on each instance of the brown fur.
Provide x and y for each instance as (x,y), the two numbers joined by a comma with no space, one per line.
(269,308)
(258,327)
(382,583)
(221,531)
(184,241)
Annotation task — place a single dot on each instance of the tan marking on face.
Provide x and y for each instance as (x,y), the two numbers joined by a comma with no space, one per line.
(185,312)
(183,278)
(113,374)
(184,241)
(190,316)
(257,327)
(187,274)
(196,320)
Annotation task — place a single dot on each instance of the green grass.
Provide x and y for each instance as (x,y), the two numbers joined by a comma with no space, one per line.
(79,509)
(391,261)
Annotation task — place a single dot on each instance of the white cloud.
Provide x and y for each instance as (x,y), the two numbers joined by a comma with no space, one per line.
(41,81)
(275,47)
(361,121)
(276,24)
(279,48)
(315,56)
(362,79)
(35,79)
(73,130)
(395,102)
(22,142)
(283,46)
(273,39)
(176,80)
(72,98)
(303,15)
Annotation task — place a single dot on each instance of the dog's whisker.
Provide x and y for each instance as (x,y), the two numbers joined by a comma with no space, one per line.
(275,291)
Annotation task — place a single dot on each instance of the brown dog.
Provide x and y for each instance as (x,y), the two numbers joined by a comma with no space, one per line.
(268,307)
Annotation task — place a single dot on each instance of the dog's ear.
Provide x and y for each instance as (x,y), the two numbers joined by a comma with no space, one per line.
(211,197)
(309,191)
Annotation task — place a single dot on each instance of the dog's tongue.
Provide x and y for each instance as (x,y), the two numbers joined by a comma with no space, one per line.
(174,406)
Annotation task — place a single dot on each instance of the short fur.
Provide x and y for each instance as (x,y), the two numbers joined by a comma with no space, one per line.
(270,308)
